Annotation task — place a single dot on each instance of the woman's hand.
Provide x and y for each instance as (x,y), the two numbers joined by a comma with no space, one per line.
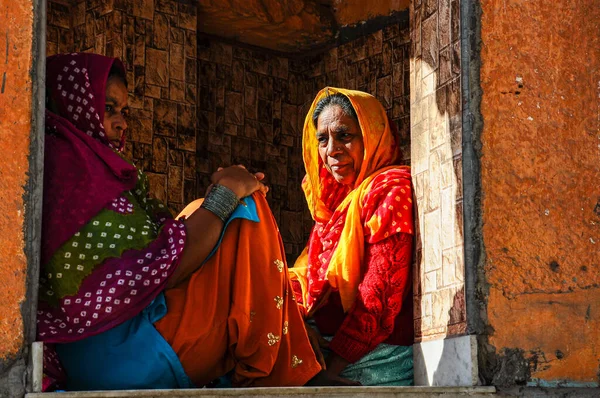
(239,180)
(317,342)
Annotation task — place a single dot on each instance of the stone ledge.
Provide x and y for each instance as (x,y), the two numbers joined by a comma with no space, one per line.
(300,392)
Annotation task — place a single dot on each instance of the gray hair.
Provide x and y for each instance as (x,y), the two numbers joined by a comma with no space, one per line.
(332,100)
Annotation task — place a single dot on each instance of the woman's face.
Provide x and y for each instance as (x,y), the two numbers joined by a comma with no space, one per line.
(116,110)
(341,145)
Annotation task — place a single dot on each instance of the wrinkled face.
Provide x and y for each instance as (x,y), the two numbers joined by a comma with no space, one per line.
(116,110)
(341,145)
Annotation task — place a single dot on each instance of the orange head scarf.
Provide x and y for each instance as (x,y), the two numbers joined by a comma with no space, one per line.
(345,268)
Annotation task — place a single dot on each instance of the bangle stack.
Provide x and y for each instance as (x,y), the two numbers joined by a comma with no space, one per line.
(221,201)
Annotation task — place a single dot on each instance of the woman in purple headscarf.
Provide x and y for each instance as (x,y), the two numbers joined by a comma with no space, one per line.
(109,251)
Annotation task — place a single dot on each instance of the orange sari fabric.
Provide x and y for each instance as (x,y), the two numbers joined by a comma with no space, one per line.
(377,206)
(237,312)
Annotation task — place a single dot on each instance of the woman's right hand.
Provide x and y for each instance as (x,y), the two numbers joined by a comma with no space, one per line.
(239,180)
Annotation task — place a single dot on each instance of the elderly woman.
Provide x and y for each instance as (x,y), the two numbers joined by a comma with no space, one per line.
(353,280)
(124,302)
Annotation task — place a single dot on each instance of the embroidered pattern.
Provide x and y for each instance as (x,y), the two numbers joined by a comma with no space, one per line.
(272,339)
(252,314)
(296,361)
(278,302)
(279,264)
(285,328)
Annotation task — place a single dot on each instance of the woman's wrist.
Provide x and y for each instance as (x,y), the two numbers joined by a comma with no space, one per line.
(221,201)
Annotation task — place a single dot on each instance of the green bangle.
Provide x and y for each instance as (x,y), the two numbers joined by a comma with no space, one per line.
(221,201)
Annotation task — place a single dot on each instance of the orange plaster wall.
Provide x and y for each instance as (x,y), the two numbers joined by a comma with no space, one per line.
(540,171)
(15,125)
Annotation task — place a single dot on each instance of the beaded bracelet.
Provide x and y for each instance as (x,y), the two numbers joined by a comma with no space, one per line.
(221,201)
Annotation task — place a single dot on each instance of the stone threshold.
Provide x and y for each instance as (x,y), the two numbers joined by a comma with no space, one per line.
(299,392)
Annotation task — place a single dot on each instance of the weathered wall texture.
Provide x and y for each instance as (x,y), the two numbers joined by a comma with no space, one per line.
(252,108)
(540,171)
(436,159)
(157,42)
(16,47)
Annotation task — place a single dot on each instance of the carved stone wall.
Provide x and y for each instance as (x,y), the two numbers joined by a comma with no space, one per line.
(436,147)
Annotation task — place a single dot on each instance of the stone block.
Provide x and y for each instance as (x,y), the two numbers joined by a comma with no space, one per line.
(175,157)
(250,103)
(445,72)
(265,111)
(186,120)
(289,119)
(165,118)
(454,20)
(442,303)
(458,172)
(190,43)
(158,185)
(331,60)
(429,7)
(221,53)
(143,8)
(448,267)
(240,148)
(175,184)
(234,110)
(159,154)
(391,31)
(459,265)
(280,67)
(187,143)
(429,41)
(140,126)
(177,91)
(157,72)
(237,80)
(187,16)
(264,87)
(435,179)
(449,220)
(430,282)
(191,71)
(426,306)
(176,62)
(455,59)
(374,43)
(231,129)
(152,91)
(431,241)
(416,34)
(384,92)
(398,77)
(166,6)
